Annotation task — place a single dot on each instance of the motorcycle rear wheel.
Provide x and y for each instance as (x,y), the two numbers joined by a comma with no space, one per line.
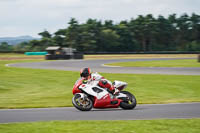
(130,103)
(82,104)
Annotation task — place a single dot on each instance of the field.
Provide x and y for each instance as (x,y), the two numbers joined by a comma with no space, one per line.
(140,56)
(33,88)
(14,56)
(129,126)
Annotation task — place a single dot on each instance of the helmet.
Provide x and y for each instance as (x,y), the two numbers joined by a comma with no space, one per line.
(85,72)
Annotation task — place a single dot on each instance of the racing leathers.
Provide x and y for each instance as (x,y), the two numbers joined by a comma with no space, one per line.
(102,82)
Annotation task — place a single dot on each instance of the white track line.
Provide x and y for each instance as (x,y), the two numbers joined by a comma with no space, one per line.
(108,65)
(7,65)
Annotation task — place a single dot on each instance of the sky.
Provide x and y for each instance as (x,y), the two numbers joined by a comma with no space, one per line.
(29,17)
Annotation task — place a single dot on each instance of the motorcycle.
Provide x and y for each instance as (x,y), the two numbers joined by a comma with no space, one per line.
(88,95)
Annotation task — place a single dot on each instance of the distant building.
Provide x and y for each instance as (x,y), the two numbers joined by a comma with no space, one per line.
(59,53)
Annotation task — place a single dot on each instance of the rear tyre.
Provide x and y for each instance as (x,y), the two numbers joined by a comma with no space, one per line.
(130,102)
(83,104)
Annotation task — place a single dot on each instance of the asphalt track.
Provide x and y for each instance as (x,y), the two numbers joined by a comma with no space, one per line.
(98,66)
(141,112)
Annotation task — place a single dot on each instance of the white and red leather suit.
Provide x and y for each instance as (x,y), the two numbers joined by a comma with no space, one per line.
(86,74)
(104,83)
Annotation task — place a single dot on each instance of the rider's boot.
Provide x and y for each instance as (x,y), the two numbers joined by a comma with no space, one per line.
(116,92)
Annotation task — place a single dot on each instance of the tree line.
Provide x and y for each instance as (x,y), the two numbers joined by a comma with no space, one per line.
(143,33)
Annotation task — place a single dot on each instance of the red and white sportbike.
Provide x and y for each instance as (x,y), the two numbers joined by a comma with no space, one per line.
(88,95)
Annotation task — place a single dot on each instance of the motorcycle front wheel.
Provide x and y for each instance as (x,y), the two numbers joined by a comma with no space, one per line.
(130,102)
(83,104)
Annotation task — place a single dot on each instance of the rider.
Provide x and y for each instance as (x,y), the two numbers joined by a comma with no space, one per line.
(86,74)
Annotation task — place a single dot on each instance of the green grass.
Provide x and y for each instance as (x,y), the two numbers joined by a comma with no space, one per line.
(18,55)
(136,56)
(161,88)
(32,88)
(110,56)
(20,87)
(162,63)
(12,55)
(129,126)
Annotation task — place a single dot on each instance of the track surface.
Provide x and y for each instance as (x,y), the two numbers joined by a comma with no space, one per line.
(97,65)
(157,111)
(141,112)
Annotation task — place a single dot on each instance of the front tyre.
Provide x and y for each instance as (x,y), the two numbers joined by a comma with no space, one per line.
(83,104)
(130,102)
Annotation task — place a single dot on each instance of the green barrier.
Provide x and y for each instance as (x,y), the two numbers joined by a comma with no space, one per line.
(36,53)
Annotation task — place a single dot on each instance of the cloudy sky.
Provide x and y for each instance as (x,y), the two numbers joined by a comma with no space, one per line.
(29,17)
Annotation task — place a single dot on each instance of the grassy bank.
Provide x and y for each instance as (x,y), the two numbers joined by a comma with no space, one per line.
(138,56)
(130,126)
(161,63)
(12,56)
(29,88)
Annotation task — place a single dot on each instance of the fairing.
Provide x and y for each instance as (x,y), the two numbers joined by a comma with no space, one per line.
(119,85)
(76,86)
(102,98)
(105,102)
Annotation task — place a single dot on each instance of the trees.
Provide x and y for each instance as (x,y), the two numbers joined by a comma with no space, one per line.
(45,34)
(90,35)
(127,38)
(195,27)
(144,29)
(143,33)
(60,38)
(110,41)
(163,39)
(5,47)
(72,33)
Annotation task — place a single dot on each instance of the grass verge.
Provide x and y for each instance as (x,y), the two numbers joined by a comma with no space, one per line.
(130,126)
(139,56)
(13,56)
(32,88)
(161,63)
